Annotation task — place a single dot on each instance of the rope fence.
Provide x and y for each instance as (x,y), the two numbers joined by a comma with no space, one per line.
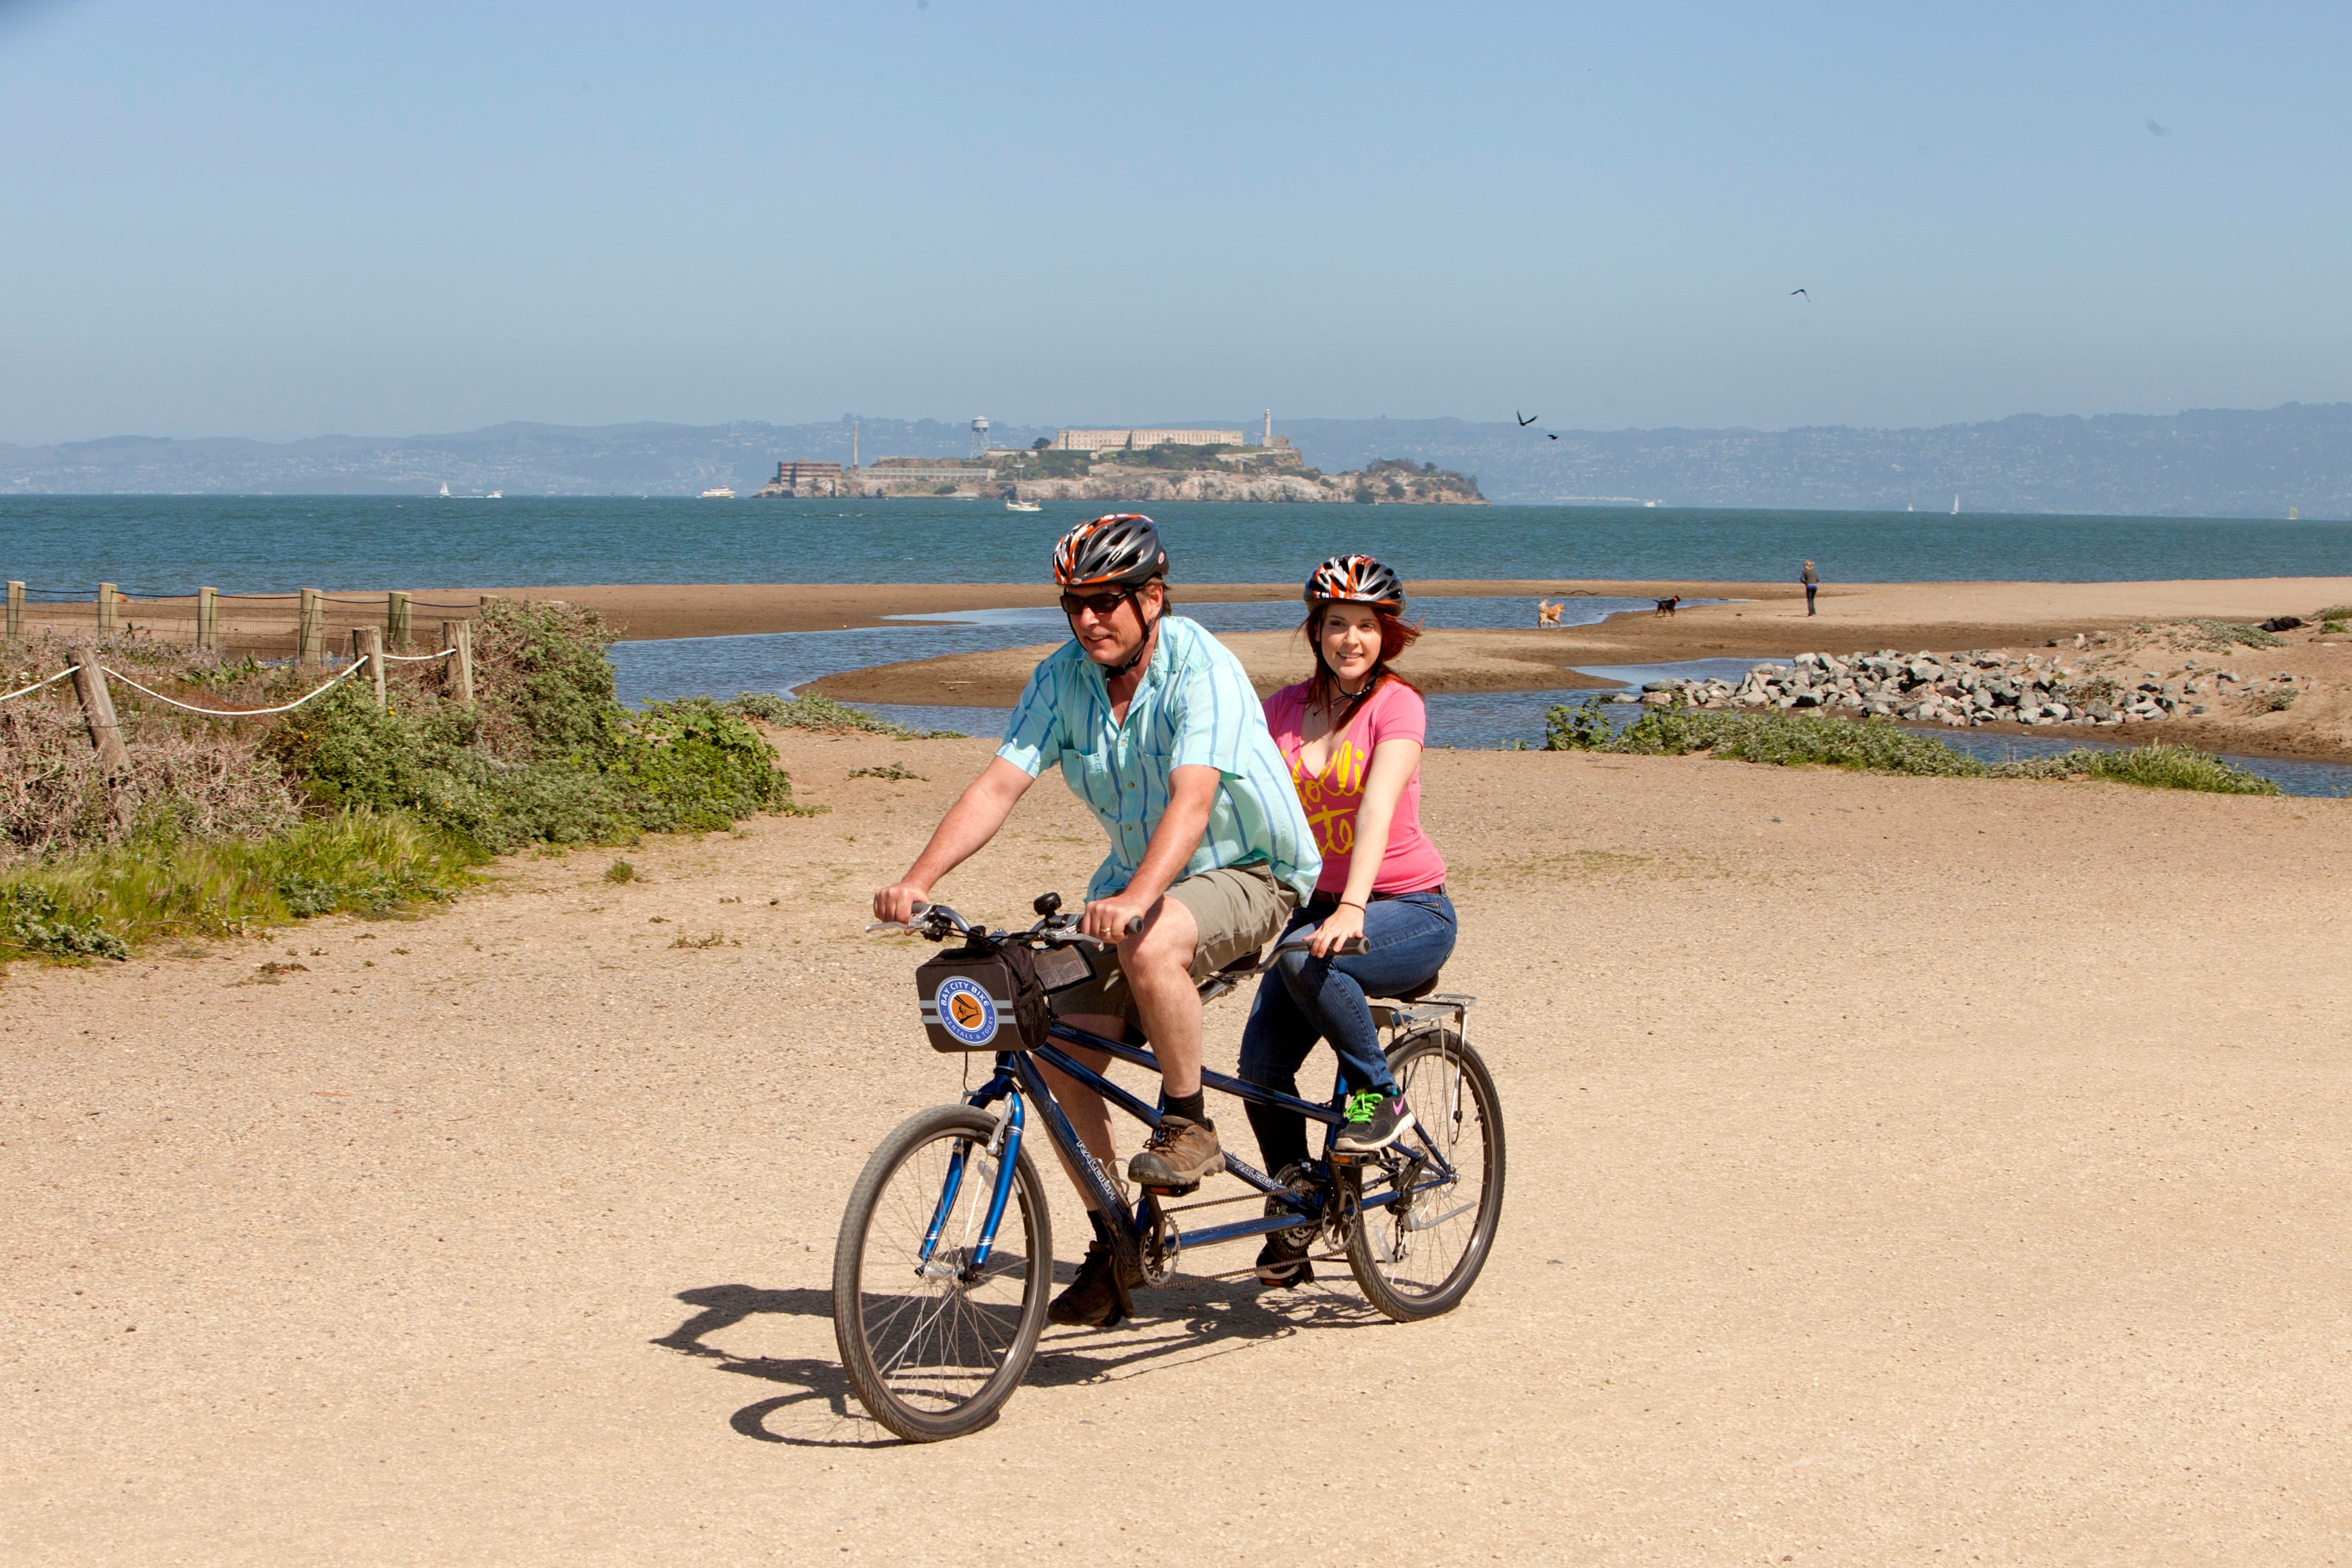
(265,623)
(367,655)
(52,681)
(321,689)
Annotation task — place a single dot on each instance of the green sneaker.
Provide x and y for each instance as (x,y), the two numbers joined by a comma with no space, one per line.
(1376,1118)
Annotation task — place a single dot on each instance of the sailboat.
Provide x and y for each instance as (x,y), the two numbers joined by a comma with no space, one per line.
(445,489)
(1956,506)
(2295,514)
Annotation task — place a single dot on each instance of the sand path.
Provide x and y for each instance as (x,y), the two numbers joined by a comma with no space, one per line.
(1900,1169)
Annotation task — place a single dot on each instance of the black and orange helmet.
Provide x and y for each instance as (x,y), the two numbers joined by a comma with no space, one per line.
(1356,580)
(1119,551)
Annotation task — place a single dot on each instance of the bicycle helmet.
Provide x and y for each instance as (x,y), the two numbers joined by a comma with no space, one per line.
(1356,580)
(1118,550)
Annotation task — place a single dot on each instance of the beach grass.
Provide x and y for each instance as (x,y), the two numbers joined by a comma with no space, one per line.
(108,902)
(1875,746)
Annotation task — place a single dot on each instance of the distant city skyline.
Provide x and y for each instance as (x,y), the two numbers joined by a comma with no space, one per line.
(263,220)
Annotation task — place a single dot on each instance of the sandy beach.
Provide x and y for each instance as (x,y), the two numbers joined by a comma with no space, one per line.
(1900,1168)
(1961,615)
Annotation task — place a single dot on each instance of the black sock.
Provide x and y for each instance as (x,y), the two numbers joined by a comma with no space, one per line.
(1188,1106)
(1102,1226)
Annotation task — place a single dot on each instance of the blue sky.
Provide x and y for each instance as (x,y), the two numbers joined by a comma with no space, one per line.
(280,220)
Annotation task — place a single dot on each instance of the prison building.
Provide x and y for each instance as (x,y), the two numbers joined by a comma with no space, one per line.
(1118,440)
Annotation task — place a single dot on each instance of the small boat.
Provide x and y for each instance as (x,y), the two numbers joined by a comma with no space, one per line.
(495,495)
(1011,505)
(718,492)
(445,489)
(1956,506)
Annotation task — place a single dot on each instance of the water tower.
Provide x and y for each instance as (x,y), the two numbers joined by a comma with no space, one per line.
(980,437)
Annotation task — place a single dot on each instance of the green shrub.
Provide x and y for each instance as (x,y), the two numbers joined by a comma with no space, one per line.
(1779,737)
(813,712)
(546,754)
(2157,766)
(1875,746)
(2224,634)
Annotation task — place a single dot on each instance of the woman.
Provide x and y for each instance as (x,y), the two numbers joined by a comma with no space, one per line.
(1352,734)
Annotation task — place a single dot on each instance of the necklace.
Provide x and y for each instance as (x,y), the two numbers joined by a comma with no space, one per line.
(1351,696)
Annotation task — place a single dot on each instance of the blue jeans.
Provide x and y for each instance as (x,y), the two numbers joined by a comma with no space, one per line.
(1304,999)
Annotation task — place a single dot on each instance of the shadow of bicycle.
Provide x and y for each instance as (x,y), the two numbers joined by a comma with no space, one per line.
(1190,1320)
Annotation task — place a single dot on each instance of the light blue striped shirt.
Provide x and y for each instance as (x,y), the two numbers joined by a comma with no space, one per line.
(1194,707)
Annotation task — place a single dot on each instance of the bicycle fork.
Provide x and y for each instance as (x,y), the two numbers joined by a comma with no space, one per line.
(1004,1146)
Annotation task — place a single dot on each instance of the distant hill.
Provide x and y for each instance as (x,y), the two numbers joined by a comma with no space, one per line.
(2202,463)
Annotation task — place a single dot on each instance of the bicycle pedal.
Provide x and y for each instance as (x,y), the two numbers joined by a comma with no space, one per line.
(1173,1191)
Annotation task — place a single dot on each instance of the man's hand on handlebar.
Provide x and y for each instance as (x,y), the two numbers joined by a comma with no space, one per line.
(1110,919)
(899,901)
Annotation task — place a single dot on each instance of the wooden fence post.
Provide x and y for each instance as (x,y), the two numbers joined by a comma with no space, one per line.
(395,619)
(15,609)
(106,592)
(367,642)
(311,631)
(208,619)
(105,734)
(459,635)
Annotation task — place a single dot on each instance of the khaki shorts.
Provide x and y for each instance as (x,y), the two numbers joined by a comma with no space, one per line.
(1238,909)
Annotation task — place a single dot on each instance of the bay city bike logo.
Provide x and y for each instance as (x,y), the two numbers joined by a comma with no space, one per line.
(966,1010)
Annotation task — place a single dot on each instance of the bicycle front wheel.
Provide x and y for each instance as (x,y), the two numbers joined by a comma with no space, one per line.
(934,1345)
(1419,1256)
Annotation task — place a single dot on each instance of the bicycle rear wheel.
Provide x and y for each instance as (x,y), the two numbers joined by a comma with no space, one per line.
(933,1348)
(1420,1256)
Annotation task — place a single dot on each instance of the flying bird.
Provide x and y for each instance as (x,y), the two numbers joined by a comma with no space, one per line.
(1524,423)
(1553,436)
(1794,292)
(2155,130)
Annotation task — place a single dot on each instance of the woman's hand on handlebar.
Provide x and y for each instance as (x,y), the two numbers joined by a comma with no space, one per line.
(899,901)
(1342,923)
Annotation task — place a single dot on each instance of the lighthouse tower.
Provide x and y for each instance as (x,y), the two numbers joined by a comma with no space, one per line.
(1269,429)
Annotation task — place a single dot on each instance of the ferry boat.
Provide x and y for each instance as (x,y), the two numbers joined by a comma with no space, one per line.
(1011,505)
(718,492)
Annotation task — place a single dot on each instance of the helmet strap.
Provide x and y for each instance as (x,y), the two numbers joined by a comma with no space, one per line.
(1135,596)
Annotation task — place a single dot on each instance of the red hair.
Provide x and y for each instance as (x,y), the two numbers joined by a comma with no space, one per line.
(1396,635)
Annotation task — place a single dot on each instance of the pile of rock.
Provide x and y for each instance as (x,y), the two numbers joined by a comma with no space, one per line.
(1957,689)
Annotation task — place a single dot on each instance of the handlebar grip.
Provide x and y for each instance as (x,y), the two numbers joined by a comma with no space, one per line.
(1355,944)
(1135,925)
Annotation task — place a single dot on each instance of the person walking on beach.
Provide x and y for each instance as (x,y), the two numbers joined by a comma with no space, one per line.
(1352,734)
(1156,729)
(1813,581)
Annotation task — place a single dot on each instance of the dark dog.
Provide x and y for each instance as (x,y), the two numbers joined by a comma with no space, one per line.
(1667,606)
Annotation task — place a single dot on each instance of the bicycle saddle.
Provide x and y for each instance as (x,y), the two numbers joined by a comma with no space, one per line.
(1410,993)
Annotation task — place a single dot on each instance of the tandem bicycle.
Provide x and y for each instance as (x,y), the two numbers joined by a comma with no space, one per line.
(945,1259)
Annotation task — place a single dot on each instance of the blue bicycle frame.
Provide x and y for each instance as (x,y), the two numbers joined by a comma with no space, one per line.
(1017,1078)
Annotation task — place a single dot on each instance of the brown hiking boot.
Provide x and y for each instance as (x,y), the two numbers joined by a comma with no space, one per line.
(1092,1298)
(1179,1154)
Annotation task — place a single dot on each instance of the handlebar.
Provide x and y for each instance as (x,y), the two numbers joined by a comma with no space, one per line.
(937,922)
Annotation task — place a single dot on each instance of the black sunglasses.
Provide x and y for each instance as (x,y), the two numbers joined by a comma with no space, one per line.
(1102,605)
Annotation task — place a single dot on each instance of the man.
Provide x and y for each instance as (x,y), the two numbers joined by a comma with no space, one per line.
(1156,729)
(1813,581)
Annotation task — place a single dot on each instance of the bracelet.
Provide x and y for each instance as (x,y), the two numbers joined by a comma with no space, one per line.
(1349,904)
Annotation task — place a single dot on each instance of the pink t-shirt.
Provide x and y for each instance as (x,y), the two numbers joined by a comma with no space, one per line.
(1394,712)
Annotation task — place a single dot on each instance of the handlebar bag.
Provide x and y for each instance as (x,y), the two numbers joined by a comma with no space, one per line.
(982,999)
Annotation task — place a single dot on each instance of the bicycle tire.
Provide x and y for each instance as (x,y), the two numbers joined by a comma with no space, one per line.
(913,1376)
(1378,1246)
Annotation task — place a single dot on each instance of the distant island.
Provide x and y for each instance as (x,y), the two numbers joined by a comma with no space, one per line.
(1131,465)
(2269,463)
